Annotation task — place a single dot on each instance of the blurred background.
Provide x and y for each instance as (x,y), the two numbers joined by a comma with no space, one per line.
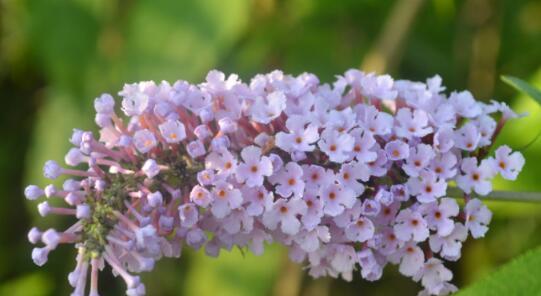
(57,56)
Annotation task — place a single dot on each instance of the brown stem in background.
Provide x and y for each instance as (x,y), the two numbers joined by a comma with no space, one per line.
(384,54)
(289,280)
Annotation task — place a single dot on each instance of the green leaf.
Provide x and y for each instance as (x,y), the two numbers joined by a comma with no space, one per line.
(523,86)
(520,277)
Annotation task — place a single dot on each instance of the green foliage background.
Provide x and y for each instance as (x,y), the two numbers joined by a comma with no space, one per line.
(56,56)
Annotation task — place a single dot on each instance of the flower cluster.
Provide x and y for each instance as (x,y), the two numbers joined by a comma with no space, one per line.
(349,176)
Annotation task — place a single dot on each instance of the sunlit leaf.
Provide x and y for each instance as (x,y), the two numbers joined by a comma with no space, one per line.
(520,277)
(36,284)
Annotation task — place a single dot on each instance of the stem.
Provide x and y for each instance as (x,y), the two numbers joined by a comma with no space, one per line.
(498,195)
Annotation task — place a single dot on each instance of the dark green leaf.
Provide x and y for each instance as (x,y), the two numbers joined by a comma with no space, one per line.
(523,86)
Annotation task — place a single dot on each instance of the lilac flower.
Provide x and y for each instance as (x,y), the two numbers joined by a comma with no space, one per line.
(195,149)
(364,142)
(259,200)
(254,168)
(52,169)
(40,255)
(486,126)
(104,104)
(449,246)
(371,266)
(444,140)
(265,110)
(434,276)
(223,162)
(316,177)
(444,166)
(379,167)
(397,150)
(412,124)
(314,210)
(33,192)
(151,169)
(361,230)
(299,138)
(34,235)
(311,241)
(378,123)
(475,177)
(135,103)
(284,212)
(336,145)
(464,104)
(419,158)
(508,164)
(411,259)
(289,180)
(477,218)
(144,140)
(226,198)
(439,217)
(467,137)
(336,198)
(173,131)
(427,187)
(347,175)
(200,196)
(188,215)
(411,225)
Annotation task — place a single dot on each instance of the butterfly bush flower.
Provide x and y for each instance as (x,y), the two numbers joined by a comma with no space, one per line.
(350,176)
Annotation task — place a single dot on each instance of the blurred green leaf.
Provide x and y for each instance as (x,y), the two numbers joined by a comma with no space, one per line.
(520,277)
(523,86)
(36,284)
(233,273)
